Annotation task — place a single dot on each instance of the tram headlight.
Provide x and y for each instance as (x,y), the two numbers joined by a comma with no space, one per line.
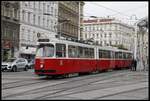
(41,66)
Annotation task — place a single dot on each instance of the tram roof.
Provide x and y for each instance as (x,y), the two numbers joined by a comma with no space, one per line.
(86,45)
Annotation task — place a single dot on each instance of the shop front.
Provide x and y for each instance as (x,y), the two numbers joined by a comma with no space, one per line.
(7,50)
(28,53)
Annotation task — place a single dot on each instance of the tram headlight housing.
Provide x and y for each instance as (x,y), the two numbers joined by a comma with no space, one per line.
(41,66)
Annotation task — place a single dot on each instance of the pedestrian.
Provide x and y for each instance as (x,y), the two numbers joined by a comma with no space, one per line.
(135,65)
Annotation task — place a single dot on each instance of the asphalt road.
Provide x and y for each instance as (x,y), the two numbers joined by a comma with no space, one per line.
(119,84)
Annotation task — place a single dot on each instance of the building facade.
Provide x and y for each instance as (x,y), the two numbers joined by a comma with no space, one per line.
(71,11)
(40,19)
(9,29)
(80,36)
(108,32)
(141,44)
(35,23)
(47,19)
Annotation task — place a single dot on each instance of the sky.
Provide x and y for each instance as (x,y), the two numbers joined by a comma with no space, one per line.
(124,11)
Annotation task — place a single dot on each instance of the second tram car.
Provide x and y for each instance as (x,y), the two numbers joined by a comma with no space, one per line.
(61,57)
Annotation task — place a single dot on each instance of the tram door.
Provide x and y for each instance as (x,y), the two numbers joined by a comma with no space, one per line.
(112,59)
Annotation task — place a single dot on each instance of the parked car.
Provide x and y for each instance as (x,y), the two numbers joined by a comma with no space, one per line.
(31,63)
(14,64)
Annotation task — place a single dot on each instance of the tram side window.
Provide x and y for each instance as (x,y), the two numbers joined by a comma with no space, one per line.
(129,56)
(112,54)
(81,52)
(85,52)
(104,54)
(60,50)
(116,55)
(108,54)
(101,54)
(91,54)
(120,55)
(72,51)
(124,56)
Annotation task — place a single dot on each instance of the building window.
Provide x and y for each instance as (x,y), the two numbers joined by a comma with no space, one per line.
(89,28)
(110,34)
(110,26)
(44,7)
(34,37)
(105,42)
(43,22)
(7,12)
(110,43)
(101,43)
(116,43)
(29,4)
(28,35)
(47,22)
(29,17)
(85,36)
(22,35)
(23,15)
(34,19)
(115,27)
(39,5)
(105,35)
(11,13)
(52,10)
(93,28)
(15,13)
(97,27)
(8,33)
(34,4)
(48,8)
(56,13)
(39,20)
(104,27)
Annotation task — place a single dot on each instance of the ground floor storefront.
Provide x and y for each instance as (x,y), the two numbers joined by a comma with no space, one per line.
(27,56)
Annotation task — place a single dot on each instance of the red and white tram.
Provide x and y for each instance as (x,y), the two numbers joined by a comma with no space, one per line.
(62,57)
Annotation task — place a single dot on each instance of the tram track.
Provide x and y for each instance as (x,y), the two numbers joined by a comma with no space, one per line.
(119,93)
(52,95)
(68,80)
(26,80)
(23,83)
(38,90)
(61,95)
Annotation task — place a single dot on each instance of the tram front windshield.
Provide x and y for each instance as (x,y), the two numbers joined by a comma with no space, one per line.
(45,50)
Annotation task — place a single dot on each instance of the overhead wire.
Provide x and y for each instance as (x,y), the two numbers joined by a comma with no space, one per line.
(110,9)
(127,17)
(129,10)
(117,12)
